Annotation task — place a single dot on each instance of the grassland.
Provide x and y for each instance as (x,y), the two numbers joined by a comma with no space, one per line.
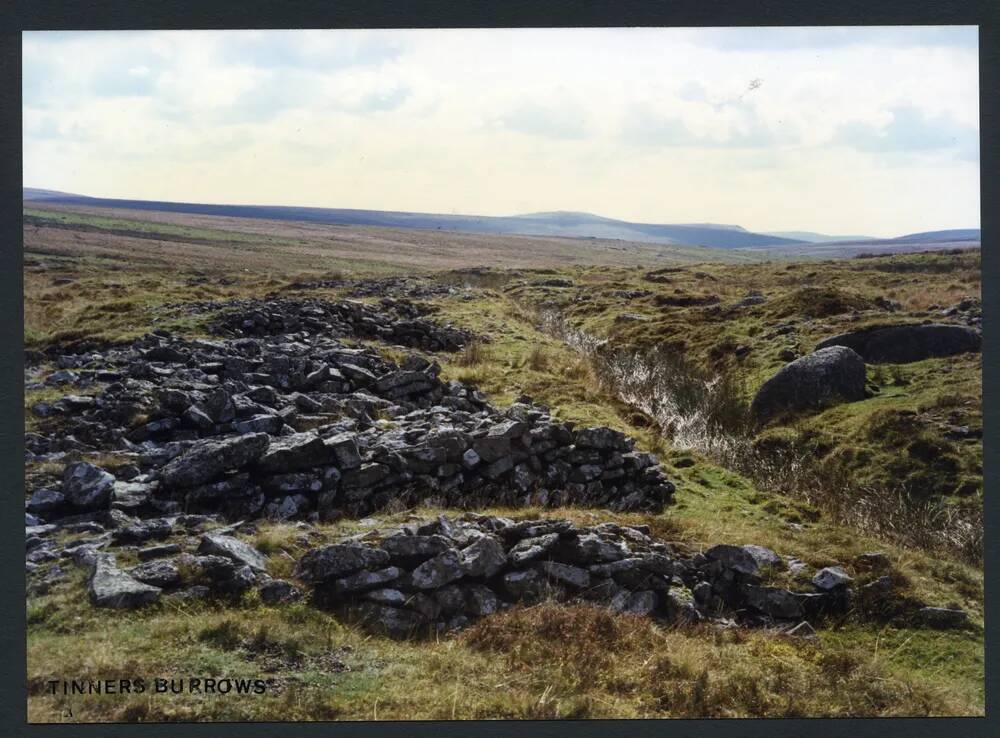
(546,661)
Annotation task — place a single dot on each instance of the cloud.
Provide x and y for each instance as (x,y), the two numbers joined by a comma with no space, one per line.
(730,125)
(308,49)
(910,130)
(564,121)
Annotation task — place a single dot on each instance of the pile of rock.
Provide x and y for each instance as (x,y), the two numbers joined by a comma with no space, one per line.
(969,310)
(392,320)
(443,573)
(302,426)
(408,287)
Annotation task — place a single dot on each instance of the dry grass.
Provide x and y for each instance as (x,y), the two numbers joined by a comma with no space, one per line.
(584,659)
(474,354)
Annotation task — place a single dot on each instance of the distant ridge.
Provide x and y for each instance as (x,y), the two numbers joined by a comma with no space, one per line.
(810,237)
(557,224)
(560,224)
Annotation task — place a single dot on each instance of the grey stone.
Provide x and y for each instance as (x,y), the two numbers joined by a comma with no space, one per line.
(942,617)
(902,344)
(366,580)
(394,621)
(160,573)
(386,596)
(233,548)
(156,552)
(565,574)
(338,560)
(87,487)
(736,558)
(483,558)
(528,585)
(278,591)
(109,586)
(529,549)
(830,578)
(295,452)
(45,501)
(802,630)
(764,557)
(209,458)
(480,600)
(413,550)
(438,571)
(829,375)
(643,602)
(773,601)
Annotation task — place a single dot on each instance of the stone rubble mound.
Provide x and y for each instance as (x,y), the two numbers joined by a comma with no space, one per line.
(302,426)
(445,572)
(394,321)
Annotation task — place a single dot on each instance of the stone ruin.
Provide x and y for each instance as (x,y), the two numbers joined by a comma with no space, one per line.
(442,573)
(300,425)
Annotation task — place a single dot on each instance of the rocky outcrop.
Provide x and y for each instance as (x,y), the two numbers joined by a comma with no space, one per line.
(834,374)
(902,344)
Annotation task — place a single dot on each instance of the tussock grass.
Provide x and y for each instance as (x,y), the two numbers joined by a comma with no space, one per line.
(474,354)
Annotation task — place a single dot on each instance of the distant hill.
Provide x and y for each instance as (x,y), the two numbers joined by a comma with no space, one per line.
(810,237)
(557,224)
(956,234)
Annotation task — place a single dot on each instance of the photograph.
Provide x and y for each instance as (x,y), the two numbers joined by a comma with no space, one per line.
(452,374)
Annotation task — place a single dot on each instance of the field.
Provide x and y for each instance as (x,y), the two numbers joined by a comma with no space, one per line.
(558,320)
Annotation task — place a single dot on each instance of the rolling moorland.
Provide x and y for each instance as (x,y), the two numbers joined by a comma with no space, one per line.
(664,343)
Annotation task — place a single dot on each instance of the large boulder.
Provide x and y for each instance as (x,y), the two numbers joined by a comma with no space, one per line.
(829,375)
(207,459)
(901,344)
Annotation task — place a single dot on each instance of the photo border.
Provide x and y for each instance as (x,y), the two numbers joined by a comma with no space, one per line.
(243,14)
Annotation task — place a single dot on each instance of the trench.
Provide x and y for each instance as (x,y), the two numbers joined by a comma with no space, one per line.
(708,414)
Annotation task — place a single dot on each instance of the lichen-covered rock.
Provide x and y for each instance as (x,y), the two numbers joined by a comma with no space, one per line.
(159,573)
(233,548)
(438,571)
(109,586)
(209,458)
(831,578)
(298,451)
(482,558)
(87,487)
(902,344)
(834,374)
(736,558)
(338,560)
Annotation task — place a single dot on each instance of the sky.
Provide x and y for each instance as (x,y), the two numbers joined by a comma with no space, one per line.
(871,130)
